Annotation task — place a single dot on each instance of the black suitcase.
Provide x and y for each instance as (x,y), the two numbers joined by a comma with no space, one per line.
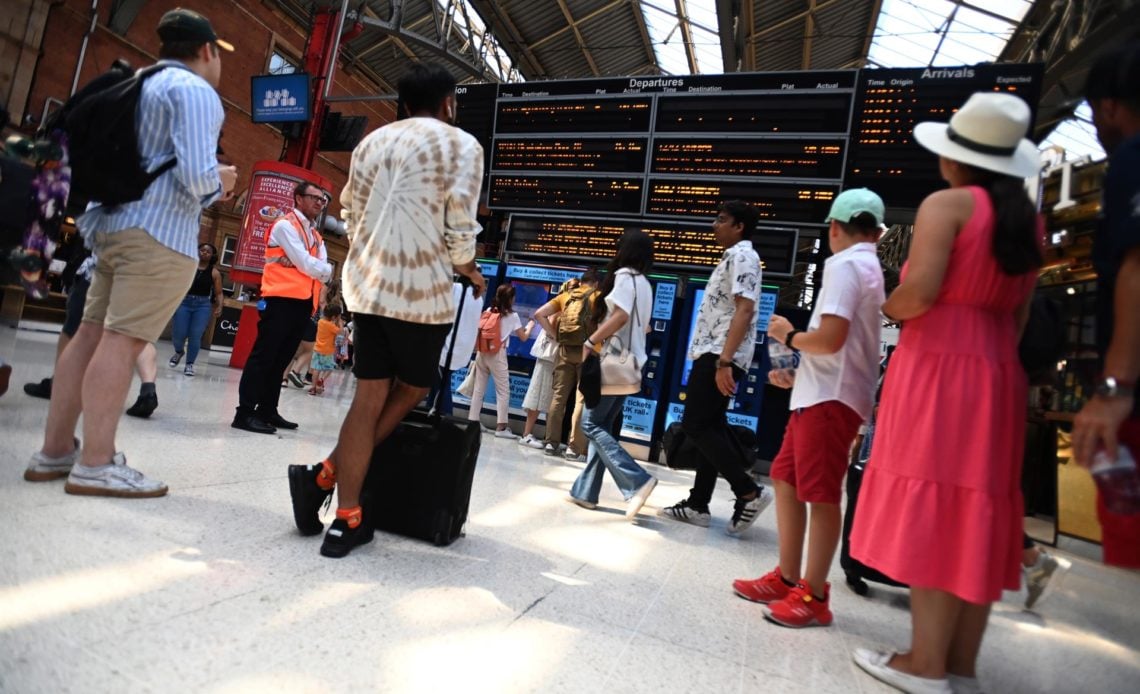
(856,572)
(419,479)
(681,454)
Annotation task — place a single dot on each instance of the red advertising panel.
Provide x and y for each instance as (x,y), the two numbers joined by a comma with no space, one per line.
(270,197)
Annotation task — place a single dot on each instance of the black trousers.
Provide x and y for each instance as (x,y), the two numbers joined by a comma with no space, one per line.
(706,426)
(279,333)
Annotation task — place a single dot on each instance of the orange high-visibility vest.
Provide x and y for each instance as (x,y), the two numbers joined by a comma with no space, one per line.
(281,278)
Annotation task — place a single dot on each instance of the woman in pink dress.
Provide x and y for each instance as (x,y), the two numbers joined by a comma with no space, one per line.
(940,507)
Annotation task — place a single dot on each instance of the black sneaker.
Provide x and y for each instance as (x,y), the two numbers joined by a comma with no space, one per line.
(144,406)
(340,539)
(39,390)
(308,498)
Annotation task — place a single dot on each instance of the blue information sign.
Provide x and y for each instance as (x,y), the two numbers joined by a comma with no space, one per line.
(541,274)
(280,98)
(663,300)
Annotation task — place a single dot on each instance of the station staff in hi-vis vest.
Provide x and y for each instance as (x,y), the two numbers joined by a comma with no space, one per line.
(296,266)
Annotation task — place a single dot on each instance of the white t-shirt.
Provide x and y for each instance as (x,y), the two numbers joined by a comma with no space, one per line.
(508,323)
(627,285)
(468,329)
(852,289)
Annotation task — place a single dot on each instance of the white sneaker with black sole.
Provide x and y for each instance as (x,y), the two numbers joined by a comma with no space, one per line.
(682,511)
(745,513)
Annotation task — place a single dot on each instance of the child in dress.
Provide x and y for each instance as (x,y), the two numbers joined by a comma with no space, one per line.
(324,361)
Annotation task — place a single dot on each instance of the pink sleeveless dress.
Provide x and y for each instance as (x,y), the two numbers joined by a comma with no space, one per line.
(940,506)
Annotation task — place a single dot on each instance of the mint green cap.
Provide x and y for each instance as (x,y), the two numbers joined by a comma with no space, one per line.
(855,201)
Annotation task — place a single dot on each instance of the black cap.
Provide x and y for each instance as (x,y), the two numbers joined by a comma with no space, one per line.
(181,24)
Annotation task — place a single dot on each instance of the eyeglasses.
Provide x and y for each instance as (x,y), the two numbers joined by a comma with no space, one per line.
(318,198)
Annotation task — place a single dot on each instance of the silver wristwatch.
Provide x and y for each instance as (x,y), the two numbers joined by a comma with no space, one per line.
(1109,387)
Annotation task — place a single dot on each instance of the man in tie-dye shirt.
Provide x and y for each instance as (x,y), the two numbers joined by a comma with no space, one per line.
(410,203)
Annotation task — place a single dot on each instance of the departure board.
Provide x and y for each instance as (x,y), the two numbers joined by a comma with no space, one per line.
(677,245)
(883,154)
(662,152)
(475,113)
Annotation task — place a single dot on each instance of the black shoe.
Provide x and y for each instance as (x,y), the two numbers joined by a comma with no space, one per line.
(340,539)
(295,379)
(308,498)
(252,423)
(144,406)
(276,420)
(39,390)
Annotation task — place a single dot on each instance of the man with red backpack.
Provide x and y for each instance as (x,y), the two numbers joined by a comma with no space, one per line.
(496,325)
(573,310)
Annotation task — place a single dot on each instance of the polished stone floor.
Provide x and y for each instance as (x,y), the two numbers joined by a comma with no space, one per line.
(211,590)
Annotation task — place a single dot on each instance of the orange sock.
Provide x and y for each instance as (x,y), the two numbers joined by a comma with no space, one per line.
(352,515)
(326,478)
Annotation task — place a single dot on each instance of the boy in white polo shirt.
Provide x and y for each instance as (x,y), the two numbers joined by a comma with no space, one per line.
(833,393)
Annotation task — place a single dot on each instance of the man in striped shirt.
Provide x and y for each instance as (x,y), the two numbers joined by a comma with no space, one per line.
(147,254)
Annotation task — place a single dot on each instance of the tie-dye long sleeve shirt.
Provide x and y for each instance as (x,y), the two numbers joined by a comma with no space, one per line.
(411,200)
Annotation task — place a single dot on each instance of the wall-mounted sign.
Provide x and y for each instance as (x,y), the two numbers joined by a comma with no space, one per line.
(280,98)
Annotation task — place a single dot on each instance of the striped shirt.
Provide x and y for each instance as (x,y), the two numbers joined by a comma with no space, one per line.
(411,200)
(180,115)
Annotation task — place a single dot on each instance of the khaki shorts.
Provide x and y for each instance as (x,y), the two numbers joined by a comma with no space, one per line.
(137,285)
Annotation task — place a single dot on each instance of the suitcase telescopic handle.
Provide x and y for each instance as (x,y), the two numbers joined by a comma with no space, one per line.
(464,285)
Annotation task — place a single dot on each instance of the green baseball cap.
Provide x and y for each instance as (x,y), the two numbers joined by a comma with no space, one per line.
(181,24)
(855,201)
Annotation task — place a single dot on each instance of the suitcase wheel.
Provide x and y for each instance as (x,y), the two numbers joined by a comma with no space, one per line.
(857,584)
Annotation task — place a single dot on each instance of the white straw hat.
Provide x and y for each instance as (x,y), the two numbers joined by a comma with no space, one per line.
(987,132)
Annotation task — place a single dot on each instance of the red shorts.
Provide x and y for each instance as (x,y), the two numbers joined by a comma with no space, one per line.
(1120,535)
(817,444)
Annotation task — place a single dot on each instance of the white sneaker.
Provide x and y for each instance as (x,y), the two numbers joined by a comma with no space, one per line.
(570,455)
(531,442)
(588,505)
(638,499)
(745,513)
(1039,576)
(505,434)
(189,370)
(682,511)
(43,469)
(550,449)
(875,664)
(113,479)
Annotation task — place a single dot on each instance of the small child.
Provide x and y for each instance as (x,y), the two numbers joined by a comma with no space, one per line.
(833,392)
(323,362)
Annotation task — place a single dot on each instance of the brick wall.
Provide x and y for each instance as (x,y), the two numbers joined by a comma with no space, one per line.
(255,28)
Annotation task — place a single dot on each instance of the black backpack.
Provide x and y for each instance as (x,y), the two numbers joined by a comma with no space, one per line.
(102,138)
(1043,341)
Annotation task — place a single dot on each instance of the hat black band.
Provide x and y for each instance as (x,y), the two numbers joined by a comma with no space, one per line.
(979,147)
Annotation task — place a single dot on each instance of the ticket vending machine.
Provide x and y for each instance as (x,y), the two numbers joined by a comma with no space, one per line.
(534,286)
(744,408)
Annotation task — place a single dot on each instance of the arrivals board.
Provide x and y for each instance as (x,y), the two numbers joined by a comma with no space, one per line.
(883,154)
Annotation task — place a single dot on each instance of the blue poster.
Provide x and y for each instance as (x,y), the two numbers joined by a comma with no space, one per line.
(637,418)
(767,308)
(663,300)
(738,419)
(674,413)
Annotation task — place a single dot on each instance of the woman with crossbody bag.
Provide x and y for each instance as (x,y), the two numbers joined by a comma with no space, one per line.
(622,316)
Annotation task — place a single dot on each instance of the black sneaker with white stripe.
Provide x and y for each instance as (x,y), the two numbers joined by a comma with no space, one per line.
(341,539)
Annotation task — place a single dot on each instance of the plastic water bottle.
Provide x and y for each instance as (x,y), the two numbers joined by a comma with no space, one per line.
(1118,481)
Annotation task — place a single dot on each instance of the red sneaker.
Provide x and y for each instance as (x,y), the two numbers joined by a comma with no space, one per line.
(767,588)
(801,609)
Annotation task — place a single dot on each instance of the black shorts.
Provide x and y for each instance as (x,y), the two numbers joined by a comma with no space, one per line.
(310,331)
(390,348)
